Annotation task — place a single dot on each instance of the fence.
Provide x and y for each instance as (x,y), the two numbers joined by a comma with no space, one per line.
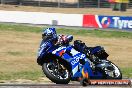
(63,3)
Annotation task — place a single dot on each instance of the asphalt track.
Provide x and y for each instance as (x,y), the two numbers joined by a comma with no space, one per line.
(52,85)
(124,83)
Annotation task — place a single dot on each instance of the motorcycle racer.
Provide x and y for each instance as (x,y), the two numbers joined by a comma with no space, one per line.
(49,36)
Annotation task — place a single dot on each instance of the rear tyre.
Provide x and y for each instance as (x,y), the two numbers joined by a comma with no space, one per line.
(56,72)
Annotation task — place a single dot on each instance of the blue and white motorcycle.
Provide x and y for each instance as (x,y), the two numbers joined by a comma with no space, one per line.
(65,63)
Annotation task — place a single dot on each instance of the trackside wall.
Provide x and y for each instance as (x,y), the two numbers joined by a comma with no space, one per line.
(80,20)
(41,18)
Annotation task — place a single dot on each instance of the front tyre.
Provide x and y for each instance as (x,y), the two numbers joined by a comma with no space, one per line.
(56,72)
(113,72)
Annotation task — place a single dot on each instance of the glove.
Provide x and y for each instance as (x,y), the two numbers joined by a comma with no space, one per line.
(62,39)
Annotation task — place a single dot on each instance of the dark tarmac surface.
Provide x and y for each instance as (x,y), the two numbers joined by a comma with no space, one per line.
(76,85)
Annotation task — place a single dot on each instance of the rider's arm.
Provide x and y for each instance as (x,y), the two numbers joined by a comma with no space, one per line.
(44,46)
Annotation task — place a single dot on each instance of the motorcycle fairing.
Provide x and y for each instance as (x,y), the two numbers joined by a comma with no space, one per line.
(73,57)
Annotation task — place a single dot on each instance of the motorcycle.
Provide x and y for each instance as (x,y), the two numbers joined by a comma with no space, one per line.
(65,63)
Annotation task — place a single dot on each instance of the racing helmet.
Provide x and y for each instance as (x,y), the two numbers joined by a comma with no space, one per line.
(49,33)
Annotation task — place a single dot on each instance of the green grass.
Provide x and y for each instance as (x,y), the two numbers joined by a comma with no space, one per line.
(18,53)
(82,32)
(15,53)
(127,72)
(98,33)
(31,75)
(19,28)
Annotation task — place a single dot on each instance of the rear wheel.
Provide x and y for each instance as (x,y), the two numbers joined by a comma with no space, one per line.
(56,72)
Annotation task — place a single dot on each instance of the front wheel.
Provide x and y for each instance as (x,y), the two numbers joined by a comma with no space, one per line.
(113,72)
(56,72)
